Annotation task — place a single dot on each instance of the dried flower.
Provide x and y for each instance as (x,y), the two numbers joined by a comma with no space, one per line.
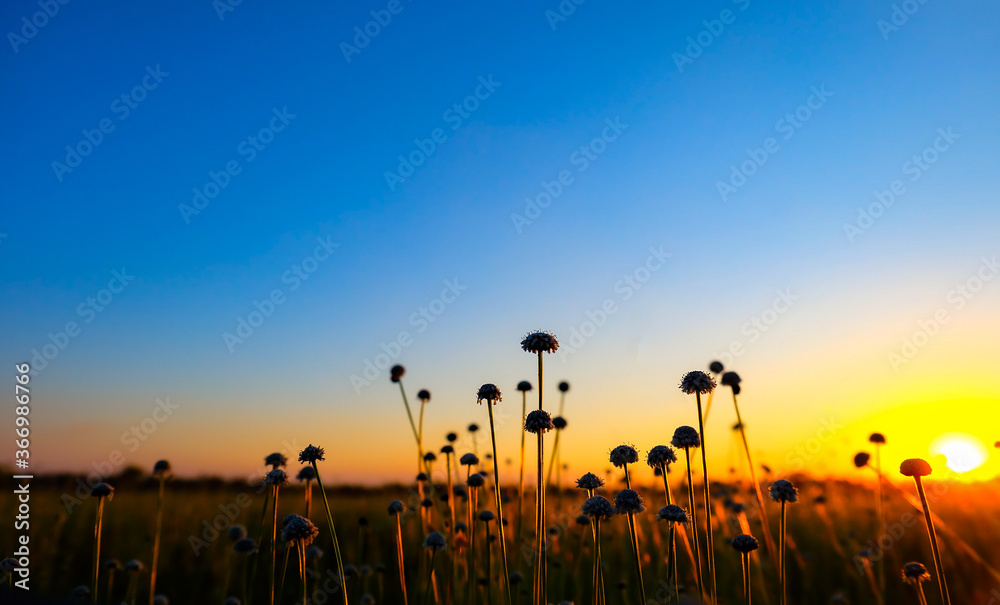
(589,481)
(697,382)
(469,459)
(623,454)
(715,367)
(582,520)
(103,490)
(489,392)
(276,477)
(915,573)
(861,459)
(564,386)
(396,372)
(395,507)
(312,453)
(745,544)
(245,545)
(451,437)
(430,457)
(538,342)
(915,467)
(628,501)
(435,541)
(538,421)
(424,395)
(730,379)
(661,455)
(300,530)
(275,460)
(876,438)
(237,532)
(447,449)
(475,480)
(306,473)
(473,427)
(135,565)
(110,564)
(161,468)
(686,436)
(783,491)
(559,422)
(597,507)
(673,514)
(486,515)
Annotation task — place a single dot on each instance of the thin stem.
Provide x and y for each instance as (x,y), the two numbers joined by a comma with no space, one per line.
(97,545)
(413,426)
(694,525)
(333,533)
(520,489)
(284,569)
(156,539)
(399,558)
(489,567)
(274,538)
(768,540)
(938,565)
(672,548)
(542,580)
(745,557)
(260,541)
(666,485)
(430,575)
(881,517)
(920,594)
(781,557)
(638,560)
(496,488)
(710,554)
(552,460)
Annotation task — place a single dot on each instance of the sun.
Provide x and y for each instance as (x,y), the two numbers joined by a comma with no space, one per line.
(962,452)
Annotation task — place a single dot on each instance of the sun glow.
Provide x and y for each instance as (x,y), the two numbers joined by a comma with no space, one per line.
(963,452)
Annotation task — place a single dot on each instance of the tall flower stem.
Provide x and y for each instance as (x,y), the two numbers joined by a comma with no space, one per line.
(274,538)
(489,567)
(399,558)
(781,556)
(520,489)
(638,559)
(694,525)
(97,545)
(430,576)
(710,554)
(938,566)
(301,551)
(881,515)
(413,426)
(156,538)
(672,553)
(333,533)
(540,564)
(768,540)
(260,541)
(745,560)
(496,488)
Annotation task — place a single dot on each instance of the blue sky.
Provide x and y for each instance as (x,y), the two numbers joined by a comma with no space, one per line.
(682,129)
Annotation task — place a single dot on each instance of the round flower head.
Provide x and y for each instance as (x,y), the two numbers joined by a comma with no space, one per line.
(783,491)
(861,459)
(459,491)
(877,438)
(473,427)
(161,468)
(461,527)
(589,481)
(524,386)
(516,578)
(539,342)
(623,454)
(736,389)
(489,392)
(306,473)
(915,467)
(350,571)
(730,379)
(161,600)
(312,453)
(745,544)
(475,480)
(628,501)
(673,514)
(424,395)
(421,477)
(109,564)
(395,507)
(660,455)
(538,421)
(427,503)
(564,386)
(237,532)
(275,460)
(686,436)
(103,490)
(697,382)
(299,530)
(7,566)
(582,520)
(737,508)
(486,515)
(559,422)
(435,541)
(715,367)
(277,478)
(451,437)
(135,565)
(430,457)
(396,373)
(598,507)
(447,449)
(245,545)
(469,459)
(915,573)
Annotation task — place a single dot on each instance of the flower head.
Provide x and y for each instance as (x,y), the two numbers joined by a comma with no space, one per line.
(475,480)
(447,449)
(745,544)
(312,453)
(486,515)
(161,468)
(306,473)
(538,421)
(430,457)
(424,395)
(539,342)
(598,507)
(314,552)
(628,501)
(275,460)
(451,437)
(103,490)
(524,386)
(861,459)
(686,436)
(276,478)
(782,490)
(715,367)
(489,392)
(564,386)
(877,438)
(559,422)
(473,427)
(660,456)
(237,532)
(731,379)
(623,454)
(915,573)
(245,545)
(915,467)
(395,507)
(8,565)
(112,564)
(435,541)
(697,382)
(396,373)
(469,459)
(299,530)
(135,565)
(673,514)
(589,481)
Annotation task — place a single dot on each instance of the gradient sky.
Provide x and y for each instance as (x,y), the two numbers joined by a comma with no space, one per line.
(821,376)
